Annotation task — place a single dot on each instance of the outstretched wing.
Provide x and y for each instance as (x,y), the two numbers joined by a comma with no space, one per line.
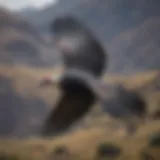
(78,45)
(69,108)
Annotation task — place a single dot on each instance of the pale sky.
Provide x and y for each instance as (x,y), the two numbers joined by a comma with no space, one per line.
(17,4)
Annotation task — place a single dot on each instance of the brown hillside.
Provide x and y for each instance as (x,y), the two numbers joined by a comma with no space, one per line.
(83,145)
(25,105)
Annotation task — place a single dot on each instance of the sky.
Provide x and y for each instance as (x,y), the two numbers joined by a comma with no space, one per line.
(18,4)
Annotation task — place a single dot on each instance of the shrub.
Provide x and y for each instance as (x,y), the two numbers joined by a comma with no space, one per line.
(108,150)
(154,140)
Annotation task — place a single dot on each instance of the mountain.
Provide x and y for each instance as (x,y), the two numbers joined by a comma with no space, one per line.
(20,43)
(24,105)
(128,30)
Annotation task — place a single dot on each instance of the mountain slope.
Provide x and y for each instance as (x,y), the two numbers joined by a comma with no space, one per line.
(24,105)
(138,48)
(127,29)
(20,43)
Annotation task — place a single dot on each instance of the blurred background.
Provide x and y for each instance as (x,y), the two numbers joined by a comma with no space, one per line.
(128,30)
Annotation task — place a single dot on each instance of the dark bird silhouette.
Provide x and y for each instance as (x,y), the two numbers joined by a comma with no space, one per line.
(84,59)
(79,47)
(76,100)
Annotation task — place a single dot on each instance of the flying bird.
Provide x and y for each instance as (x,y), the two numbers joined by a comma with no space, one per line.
(84,59)
(76,99)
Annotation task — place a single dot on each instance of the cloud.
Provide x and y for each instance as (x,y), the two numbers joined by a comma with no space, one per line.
(17,4)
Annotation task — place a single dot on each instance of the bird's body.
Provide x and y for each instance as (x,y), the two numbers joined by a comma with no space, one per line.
(78,46)
(76,100)
(84,59)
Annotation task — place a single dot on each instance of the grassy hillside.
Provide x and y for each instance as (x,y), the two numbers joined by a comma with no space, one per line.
(22,102)
(25,105)
(83,144)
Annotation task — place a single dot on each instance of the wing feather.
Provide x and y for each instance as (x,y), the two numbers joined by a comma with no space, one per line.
(69,108)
